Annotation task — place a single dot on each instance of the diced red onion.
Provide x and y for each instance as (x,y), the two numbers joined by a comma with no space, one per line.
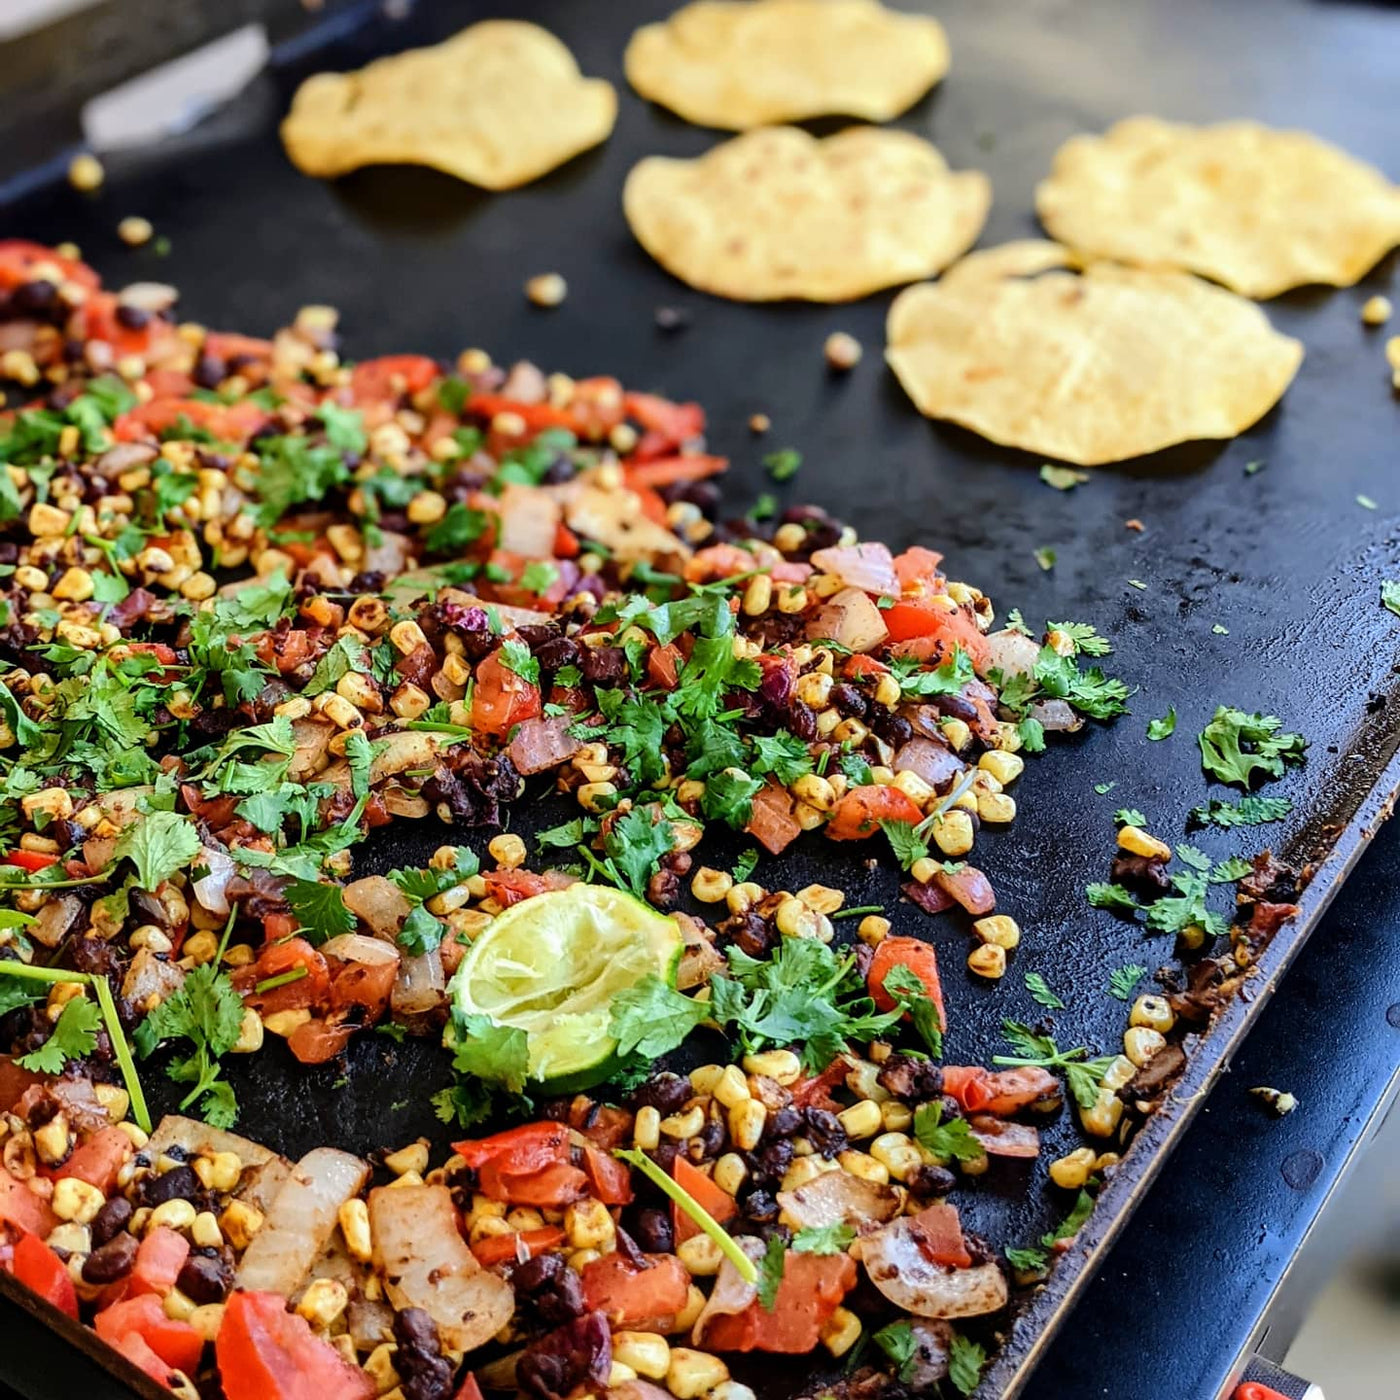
(540,744)
(851,620)
(1056,716)
(869,567)
(1011,653)
(838,1198)
(930,760)
(968,887)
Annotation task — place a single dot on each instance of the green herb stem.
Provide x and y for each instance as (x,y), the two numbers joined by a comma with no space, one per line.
(42,974)
(122,1050)
(282,979)
(859,909)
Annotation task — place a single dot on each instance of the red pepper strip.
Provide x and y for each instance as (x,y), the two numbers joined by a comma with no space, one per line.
(30,860)
(37,1267)
(501,1249)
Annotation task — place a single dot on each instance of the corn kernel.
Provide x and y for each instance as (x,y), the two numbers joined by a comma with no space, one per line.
(323,1302)
(782,1066)
(684,1125)
(700,1255)
(691,1374)
(172,1215)
(861,1120)
(588,1225)
(507,850)
(1072,1170)
(647,1353)
(710,886)
(240,1222)
(730,1173)
(207,1319)
(76,1200)
(1141,1043)
(731,1087)
(1140,843)
(646,1128)
(864,1166)
(953,834)
(746,1123)
(205,1231)
(987,960)
(1154,1012)
(1000,929)
(840,1331)
(896,1117)
(873,929)
(996,808)
(694,1305)
(413,1158)
(1103,1118)
(703,1078)
(1004,767)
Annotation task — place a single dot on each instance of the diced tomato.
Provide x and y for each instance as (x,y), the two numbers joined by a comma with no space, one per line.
(276,960)
(719,1203)
(628,1295)
(858,666)
(812,1289)
(40,1270)
(537,417)
(666,425)
(266,1353)
(98,1160)
(566,545)
(917,569)
(771,822)
(502,1249)
(176,1343)
(318,1040)
(653,507)
(501,699)
(662,666)
(597,406)
(609,1178)
(559,1184)
(19,258)
(816,1091)
(158,1262)
(1019,1087)
(605,1125)
(509,887)
(30,860)
(668,471)
(970,1085)
(375,381)
(940,1237)
(364,984)
(228,422)
(24,1209)
(919,958)
(517,1150)
(97,319)
(137,1351)
(169,383)
(717,561)
(231,345)
(468,1390)
(930,634)
(276,927)
(859,813)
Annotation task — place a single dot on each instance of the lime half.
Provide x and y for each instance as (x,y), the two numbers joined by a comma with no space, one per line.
(551,966)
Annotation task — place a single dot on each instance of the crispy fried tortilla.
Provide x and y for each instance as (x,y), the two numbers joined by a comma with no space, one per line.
(1257,209)
(777,214)
(737,64)
(500,104)
(1088,365)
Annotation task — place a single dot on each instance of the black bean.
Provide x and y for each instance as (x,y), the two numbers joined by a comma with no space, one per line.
(112,1219)
(604,665)
(579,1354)
(666,1093)
(664,889)
(772,1161)
(894,729)
(915,1080)
(112,1261)
(753,934)
(554,653)
(654,1231)
(802,720)
(931,1180)
(209,371)
(849,701)
(825,1131)
(784,1122)
(31,297)
(179,1183)
(761,1207)
(132,317)
(205,1278)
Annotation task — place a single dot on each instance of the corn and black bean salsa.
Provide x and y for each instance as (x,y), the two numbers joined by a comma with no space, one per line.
(256,603)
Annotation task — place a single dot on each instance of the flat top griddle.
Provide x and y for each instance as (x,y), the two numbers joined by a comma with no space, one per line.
(1286,559)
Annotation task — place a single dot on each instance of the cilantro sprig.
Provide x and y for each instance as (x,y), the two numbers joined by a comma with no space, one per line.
(1082,1074)
(207,1013)
(1236,746)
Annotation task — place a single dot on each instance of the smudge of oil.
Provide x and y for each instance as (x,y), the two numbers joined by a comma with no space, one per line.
(1301,1169)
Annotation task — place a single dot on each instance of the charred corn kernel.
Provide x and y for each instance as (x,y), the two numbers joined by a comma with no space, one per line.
(684,1125)
(873,929)
(205,1231)
(1000,929)
(1153,1012)
(821,899)
(730,1173)
(795,920)
(593,797)
(507,850)
(646,1128)
(700,1255)
(895,1116)
(523,1218)
(1375,311)
(413,1158)
(758,595)
(354,1228)
(996,808)
(406,637)
(840,1331)
(1140,843)
(863,1080)
(731,1087)
(76,1200)
(240,1222)
(647,1353)
(588,1225)
(816,791)
(488,1227)
(987,960)
(691,1374)
(46,521)
(283,1023)
(743,897)
(851,731)
(1103,1118)
(896,1152)
(201,947)
(913,787)
(1004,767)
(792,598)
(207,1319)
(953,833)
(746,1123)
(114,1099)
(790,537)
(139,1221)
(814,689)
(178,1306)
(1141,1043)
(863,1165)
(924,869)
(137,1136)
(219,1171)
(809,818)
(805,1169)
(1120,1070)
(407,1179)
(887,692)
(1072,1170)
(861,1120)
(780,1065)
(694,1304)
(173,1215)
(710,886)
(703,1078)
(323,1302)
(53,1141)
(379,1367)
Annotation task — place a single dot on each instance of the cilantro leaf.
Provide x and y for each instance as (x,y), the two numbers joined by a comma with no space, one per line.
(1248,811)
(1041,993)
(651,1018)
(499,1055)
(949,1140)
(567,834)
(1091,692)
(835,1238)
(346,654)
(1122,981)
(1162,728)
(74,1037)
(1114,897)
(1029,1261)
(906,842)
(421,932)
(966,1359)
(947,679)
(516,656)
(1045,557)
(1084,637)
(635,844)
(320,910)
(1129,816)
(1082,1075)
(770,1273)
(745,865)
(461,526)
(911,995)
(729,795)
(1062,478)
(783,464)
(1032,734)
(1235,746)
(1390,595)
(157,844)
(344,427)
(207,1013)
(1227,872)
(899,1343)
(539,576)
(1072,1224)
(783,755)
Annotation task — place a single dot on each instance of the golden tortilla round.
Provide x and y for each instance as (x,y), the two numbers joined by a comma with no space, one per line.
(738,64)
(1088,364)
(777,214)
(1258,209)
(499,105)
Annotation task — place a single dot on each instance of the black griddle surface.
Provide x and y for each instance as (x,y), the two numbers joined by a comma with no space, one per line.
(1285,559)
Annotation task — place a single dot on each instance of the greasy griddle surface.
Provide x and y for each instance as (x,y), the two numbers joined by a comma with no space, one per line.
(1285,559)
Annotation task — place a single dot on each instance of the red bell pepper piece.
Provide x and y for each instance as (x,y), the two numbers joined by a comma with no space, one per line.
(384,378)
(500,1249)
(24,1209)
(39,1269)
(811,1290)
(919,958)
(629,1296)
(468,1390)
(30,860)
(176,1343)
(266,1353)
(609,1178)
(138,1351)
(719,1203)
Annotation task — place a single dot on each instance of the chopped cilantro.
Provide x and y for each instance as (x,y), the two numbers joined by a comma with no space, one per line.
(461,526)
(207,1013)
(1235,746)
(1062,478)
(516,656)
(1123,980)
(320,910)
(949,1140)
(835,1238)
(651,1018)
(1072,1224)
(745,865)
(1162,728)
(770,1272)
(1026,1261)
(898,1342)
(1248,811)
(635,844)
(1114,897)
(157,844)
(1083,1075)
(966,1359)
(783,755)
(539,576)
(74,1037)
(1045,557)
(783,464)
(1040,992)
(1390,595)
(728,797)
(1129,816)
